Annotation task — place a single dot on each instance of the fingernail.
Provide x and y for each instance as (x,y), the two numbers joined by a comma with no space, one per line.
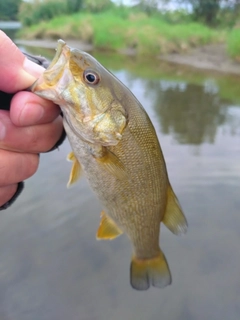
(32,68)
(31,113)
(2,131)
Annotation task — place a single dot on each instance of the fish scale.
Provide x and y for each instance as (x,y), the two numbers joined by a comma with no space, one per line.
(115,144)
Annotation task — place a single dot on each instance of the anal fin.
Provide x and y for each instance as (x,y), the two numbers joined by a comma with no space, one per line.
(174,218)
(107,230)
(75,170)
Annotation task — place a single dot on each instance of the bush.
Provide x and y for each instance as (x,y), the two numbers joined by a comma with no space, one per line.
(34,12)
(97,5)
(125,29)
(233,43)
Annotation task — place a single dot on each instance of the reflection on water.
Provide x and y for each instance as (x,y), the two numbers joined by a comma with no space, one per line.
(191,113)
(51,266)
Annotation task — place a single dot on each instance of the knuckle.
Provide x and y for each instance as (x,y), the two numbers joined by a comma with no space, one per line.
(6,193)
(30,165)
(15,166)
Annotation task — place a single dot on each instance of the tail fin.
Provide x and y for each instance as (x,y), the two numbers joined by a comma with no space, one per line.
(155,272)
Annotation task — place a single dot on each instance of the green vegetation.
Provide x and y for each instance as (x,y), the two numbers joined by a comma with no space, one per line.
(233,43)
(116,29)
(141,29)
(9,9)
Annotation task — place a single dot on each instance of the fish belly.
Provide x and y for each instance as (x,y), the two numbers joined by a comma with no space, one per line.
(136,202)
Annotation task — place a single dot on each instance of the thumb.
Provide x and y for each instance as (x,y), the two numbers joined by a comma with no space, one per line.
(17,72)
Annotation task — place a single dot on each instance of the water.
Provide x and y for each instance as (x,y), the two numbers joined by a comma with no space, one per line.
(51,266)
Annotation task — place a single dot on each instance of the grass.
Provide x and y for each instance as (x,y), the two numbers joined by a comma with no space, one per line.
(124,29)
(233,44)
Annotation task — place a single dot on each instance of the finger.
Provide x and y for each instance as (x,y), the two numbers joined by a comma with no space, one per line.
(6,193)
(28,109)
(39,138)
(15,166)
(17,72)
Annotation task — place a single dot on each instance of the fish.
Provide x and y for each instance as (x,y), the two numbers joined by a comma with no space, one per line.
(115,146)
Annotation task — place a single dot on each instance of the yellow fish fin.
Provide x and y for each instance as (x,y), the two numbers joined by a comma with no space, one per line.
(75,171)
(147,272)
(107,230)
(174,218)
(113,165)
(71,156)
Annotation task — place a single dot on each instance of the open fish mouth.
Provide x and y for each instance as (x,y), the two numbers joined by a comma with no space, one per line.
(60,47)
(55,70)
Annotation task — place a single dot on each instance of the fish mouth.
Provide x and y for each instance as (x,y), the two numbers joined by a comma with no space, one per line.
(52,75)
(61,45)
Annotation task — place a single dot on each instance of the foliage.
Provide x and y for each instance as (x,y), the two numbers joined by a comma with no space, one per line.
(176,16)
(9,9)
(74,5)
(233,43)
(97,5)
(205,11)
(36,11)
(130,30)
(148,6)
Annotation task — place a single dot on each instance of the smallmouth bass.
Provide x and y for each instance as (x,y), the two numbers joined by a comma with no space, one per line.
(115,144)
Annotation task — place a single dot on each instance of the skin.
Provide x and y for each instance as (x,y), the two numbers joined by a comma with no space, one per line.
(32,125)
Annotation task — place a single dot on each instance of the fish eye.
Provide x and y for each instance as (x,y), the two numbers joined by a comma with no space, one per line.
(91,77)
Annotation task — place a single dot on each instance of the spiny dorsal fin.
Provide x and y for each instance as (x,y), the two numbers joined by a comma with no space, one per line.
(75,170)
(107,230)
(174,218)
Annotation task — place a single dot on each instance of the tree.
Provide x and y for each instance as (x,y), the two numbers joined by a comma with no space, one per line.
(74,5)
(9,9)
(148,6)
(206,10)
(202,10)
(97,5)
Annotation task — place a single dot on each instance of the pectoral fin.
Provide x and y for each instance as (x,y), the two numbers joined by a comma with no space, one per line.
(112,164)
(174,218)
(75,170)
(107,230)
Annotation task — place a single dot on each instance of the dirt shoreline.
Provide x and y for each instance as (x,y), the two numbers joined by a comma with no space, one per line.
(209,57)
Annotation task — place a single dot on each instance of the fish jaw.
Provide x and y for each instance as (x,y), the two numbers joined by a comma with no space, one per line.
(55,80)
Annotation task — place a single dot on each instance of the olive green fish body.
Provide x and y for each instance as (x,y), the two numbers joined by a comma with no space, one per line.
(116,146)
(137,201)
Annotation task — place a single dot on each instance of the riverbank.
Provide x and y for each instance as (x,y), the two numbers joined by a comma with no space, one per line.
(130,31)
(208,57)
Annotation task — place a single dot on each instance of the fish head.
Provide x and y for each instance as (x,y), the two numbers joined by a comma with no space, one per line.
(84,90)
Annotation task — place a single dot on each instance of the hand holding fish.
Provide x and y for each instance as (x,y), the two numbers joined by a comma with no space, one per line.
(31,126)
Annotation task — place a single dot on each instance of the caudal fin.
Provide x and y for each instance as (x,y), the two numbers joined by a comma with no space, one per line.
(155,272)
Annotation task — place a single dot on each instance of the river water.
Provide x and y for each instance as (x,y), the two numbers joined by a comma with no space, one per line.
(51,266)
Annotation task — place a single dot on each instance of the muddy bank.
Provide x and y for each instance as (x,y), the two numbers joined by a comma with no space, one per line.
(209,57)
(52,44)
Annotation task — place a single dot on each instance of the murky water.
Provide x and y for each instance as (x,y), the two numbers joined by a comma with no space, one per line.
(51,266)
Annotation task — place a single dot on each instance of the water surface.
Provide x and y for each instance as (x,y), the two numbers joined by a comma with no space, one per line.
(51,266)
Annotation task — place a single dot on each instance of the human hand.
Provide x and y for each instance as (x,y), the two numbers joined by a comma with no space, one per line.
(32,125)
